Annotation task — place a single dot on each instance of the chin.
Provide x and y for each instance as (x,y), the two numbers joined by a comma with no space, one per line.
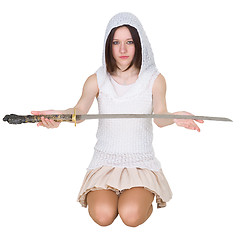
(124,66)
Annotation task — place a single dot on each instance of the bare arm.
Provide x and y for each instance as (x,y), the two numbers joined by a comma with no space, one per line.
(159,101)
(89,92)
(160,107)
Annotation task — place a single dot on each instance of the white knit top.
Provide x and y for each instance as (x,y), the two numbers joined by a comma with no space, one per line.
(120,89)
(126,142)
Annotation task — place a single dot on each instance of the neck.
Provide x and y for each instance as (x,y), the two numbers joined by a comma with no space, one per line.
(131,72)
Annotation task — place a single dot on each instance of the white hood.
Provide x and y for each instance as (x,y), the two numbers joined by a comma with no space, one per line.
(148,69)
(130,19)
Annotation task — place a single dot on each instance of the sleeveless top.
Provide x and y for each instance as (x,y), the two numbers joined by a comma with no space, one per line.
(124,142)
(120,89)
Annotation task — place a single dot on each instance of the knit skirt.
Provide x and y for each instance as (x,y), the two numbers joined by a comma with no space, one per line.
(119,179)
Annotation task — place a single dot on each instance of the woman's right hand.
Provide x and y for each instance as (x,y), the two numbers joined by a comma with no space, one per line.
(48,123)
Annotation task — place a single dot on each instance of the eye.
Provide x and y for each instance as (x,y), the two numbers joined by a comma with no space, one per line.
(115,42)
(130,42)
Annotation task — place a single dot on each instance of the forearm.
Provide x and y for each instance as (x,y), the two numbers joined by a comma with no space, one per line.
(162,122)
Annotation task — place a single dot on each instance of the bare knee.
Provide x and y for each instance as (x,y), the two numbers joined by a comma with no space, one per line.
(103,215)
(133,216)
(102,206)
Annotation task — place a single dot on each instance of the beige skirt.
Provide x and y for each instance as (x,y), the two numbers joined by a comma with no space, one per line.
(119,179)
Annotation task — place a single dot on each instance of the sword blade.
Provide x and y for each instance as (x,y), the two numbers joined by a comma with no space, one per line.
(164,116)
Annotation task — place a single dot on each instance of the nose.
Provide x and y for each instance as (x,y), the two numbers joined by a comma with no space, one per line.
(123,48)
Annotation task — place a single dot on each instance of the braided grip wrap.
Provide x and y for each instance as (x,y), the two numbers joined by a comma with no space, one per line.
(18,119)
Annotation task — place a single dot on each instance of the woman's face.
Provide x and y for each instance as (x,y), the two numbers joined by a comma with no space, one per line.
(123,47)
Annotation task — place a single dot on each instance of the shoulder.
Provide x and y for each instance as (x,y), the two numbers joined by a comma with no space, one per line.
(91,83)
(159,84)
(91,80)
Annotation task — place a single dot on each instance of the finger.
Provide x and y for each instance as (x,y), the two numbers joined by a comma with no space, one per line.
(44,122)
(50,123)
(40,124)
(195,127)
(200,121)
(191,125)
(39,112)
(185,124)
(45,112)
(35,112)
(53,123)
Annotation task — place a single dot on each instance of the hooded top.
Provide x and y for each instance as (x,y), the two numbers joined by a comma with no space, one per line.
(148,67)
(120,19)
(126,142)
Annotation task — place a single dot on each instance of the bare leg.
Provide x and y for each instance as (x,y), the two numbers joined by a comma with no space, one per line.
(102,206)
(135,206)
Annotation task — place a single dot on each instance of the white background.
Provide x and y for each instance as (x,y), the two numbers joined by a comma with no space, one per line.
(49,48)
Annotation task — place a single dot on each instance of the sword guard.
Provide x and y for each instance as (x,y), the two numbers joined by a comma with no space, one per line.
(74,117)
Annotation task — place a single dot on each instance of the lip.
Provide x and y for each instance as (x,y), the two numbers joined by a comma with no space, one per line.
(124,57)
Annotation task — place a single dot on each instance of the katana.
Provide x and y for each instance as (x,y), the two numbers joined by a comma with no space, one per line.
(18,119)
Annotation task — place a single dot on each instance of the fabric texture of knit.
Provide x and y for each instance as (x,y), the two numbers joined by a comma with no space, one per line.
(126,142)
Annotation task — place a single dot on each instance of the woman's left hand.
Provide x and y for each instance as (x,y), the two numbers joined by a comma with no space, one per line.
(187,123)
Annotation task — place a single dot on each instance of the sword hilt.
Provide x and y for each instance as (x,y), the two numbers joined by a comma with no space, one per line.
(18,119)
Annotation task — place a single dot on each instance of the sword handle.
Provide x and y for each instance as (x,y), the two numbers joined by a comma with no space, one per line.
(18,119)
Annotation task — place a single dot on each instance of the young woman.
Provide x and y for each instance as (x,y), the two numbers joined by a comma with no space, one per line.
(124,175)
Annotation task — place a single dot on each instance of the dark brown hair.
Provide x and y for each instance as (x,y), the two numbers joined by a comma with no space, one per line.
(137,59)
